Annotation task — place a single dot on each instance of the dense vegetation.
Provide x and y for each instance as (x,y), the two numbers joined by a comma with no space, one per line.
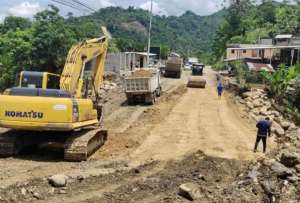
(186,33)
(41,44)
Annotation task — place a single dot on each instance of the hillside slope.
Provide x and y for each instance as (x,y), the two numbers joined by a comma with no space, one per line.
(188,32)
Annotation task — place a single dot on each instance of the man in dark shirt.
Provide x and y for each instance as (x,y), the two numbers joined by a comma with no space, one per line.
(264,130)
(220,89)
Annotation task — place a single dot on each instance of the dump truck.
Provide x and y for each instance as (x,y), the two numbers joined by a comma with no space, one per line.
(197,69)
(196,82)
(173,67)
(143,85)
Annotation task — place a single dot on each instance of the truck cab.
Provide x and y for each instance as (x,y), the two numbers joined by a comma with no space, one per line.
(197,69)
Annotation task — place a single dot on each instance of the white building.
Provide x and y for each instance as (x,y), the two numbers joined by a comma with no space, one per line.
(126,61)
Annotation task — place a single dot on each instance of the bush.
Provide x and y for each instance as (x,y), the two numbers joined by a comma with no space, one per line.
(220,65)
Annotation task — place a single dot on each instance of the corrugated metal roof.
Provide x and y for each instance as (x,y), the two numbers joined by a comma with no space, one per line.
(258,46)
(287,36)
(260,66)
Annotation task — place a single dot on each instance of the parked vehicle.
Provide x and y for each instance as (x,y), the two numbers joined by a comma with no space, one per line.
(174,67)
(197,69)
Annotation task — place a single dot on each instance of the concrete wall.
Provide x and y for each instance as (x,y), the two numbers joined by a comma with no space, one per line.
(119,62)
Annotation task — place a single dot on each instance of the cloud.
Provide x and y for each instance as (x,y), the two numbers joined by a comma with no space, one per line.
(25,9)
(157,10)
(96,4)
(202,7)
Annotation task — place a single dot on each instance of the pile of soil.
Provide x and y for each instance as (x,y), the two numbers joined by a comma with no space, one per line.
(152,182)
(142,73)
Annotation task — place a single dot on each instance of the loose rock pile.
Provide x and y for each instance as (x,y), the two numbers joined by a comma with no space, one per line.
(279,175)
(107,85)
(260,106)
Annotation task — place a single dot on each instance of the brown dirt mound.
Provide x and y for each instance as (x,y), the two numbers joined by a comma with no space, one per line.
(142,73)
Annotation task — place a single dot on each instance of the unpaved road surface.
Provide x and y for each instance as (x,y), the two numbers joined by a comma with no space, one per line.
(162,140)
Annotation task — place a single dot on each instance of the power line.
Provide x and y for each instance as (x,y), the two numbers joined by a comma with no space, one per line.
(83,4)
(71,5)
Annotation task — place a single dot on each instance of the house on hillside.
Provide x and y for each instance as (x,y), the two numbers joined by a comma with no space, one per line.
(192,60)
(283,40)
(283,49)
(253,51)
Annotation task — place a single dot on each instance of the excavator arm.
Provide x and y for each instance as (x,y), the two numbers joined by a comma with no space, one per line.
(83,72)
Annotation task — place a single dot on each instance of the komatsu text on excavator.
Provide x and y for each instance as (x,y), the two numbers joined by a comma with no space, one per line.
(68,104)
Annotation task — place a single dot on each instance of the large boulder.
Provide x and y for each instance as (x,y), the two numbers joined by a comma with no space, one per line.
(267,104)
(277,129)
(255,112)
(280,170)
(190,191)
(246,95)
(249,105)
(257,103)
(275,113)
(269,187)
(264,111)
(290,157)
(297,167)
(58,180)
(254,173)
(285,124)
(256,96)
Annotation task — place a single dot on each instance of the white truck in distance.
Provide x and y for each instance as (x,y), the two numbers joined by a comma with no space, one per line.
(143,85)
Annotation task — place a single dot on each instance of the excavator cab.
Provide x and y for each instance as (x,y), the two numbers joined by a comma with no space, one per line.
(44,80)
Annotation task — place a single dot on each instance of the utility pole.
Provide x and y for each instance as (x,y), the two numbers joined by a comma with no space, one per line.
(149,35)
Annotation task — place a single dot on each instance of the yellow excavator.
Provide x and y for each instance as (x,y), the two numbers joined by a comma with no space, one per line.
(68,105)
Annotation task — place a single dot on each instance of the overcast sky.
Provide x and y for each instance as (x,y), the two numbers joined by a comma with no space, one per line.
(27,8)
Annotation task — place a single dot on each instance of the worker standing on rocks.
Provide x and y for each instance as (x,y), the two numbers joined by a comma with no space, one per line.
(264,130)
(220,89)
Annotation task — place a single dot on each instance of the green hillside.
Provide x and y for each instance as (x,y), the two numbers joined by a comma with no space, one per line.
(188,32)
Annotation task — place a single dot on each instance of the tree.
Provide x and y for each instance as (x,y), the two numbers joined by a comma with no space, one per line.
(13,23)
(15,55)
(51,40)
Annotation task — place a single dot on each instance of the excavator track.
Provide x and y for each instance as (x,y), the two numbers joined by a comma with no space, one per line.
(80,145)
(8,143)
(13,141)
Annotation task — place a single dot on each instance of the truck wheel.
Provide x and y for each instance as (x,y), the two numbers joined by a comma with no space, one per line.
(151,99)
(130,100)
(179,75)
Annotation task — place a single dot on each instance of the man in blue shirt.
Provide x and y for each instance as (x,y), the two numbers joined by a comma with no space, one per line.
(264,130)
(220,89)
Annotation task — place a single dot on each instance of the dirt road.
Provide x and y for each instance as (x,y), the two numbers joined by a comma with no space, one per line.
(183,122)
(199,120)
